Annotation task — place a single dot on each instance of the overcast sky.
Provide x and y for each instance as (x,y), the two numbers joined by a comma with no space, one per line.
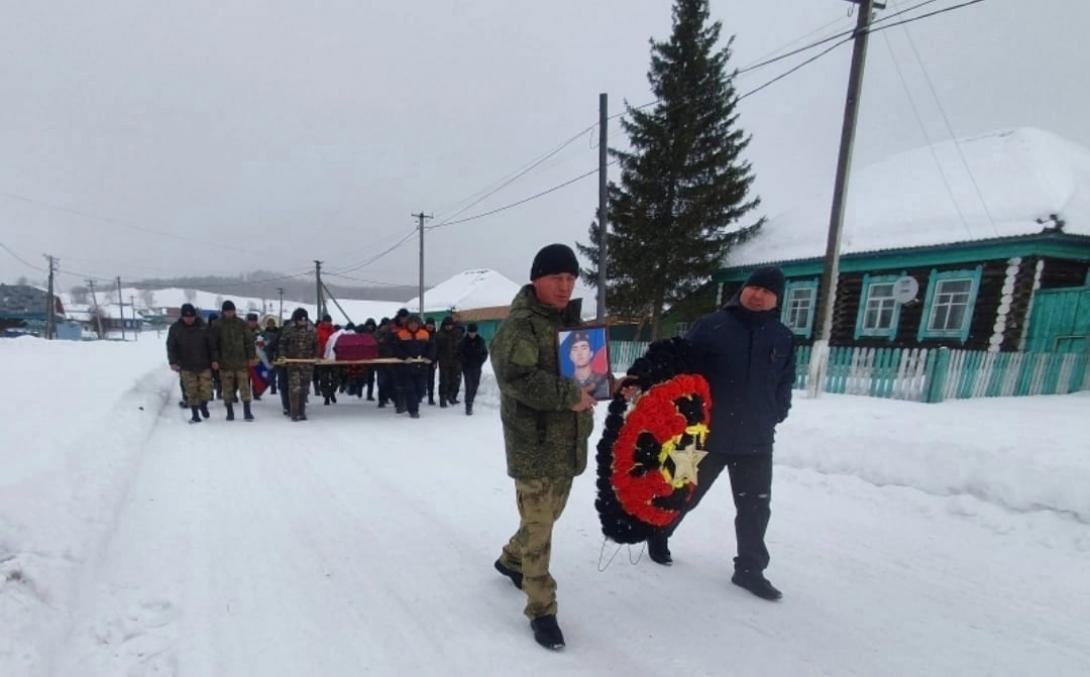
(148,138)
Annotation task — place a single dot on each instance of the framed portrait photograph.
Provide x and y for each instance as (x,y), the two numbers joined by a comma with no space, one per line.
(584,358)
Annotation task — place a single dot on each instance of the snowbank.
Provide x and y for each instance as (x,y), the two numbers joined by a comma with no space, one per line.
(75,417)
(1023,454)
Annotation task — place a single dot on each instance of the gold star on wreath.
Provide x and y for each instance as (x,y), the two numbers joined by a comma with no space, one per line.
(685,463)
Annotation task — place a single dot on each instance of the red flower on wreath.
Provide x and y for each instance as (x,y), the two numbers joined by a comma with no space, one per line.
(644,471)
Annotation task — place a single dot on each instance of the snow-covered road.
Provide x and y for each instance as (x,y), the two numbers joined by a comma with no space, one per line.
(362,543)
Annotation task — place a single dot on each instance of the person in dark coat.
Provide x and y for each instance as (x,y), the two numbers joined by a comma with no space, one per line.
(369,327)
(433,354)
(271,333)
(385,335)
(748,357)
(412,344)
(192,354)
(473,353)
(450,368)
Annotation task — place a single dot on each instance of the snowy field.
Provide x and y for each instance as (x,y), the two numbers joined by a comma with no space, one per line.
(909,539)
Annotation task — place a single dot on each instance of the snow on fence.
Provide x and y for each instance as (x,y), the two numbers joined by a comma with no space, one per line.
(926,375)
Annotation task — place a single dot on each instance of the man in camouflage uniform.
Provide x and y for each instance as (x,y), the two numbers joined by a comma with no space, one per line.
(192,354)
(234,343)
(298,341)
(546,422)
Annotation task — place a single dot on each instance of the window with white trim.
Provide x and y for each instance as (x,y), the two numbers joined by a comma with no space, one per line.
(949,309)
(800,299)
(880,310)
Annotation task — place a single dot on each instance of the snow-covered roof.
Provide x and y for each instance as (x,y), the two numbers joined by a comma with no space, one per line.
(468,290)
(1022,174)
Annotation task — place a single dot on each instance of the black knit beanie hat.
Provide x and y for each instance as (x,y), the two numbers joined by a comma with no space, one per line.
(771,279)
(227,305)
(553,260)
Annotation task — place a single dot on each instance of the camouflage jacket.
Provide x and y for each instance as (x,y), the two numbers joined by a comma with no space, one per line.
(234,343)
(543,437)
(298,343)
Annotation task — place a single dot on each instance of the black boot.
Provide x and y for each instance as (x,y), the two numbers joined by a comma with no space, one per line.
(204,410)
(547,632)
(333,397)
(196,415)
(246,413)
(658,550)
(755,582)
(326,403)
(516,577)
(443,402)
(230,410)
(469,409)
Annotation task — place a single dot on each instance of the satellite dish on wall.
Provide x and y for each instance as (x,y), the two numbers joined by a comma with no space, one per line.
(905,289)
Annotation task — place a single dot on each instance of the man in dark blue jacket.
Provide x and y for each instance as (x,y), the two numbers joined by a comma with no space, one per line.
(748,357)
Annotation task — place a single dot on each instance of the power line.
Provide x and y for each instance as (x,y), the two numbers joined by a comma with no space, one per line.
(522,201)
(21,260)
(408,236)
(950,130)
(125,224)
(927,137)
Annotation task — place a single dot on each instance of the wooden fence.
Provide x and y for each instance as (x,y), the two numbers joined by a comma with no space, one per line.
(927,375)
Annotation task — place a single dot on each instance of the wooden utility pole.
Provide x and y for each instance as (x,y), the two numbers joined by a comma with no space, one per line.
(318,288)
(51,304)
(280,290)
(94,301)
(820,356)
(135,324)
(121,307)
(603,203)
(421,217)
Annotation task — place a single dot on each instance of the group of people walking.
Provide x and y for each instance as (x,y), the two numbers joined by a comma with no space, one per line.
(213,360)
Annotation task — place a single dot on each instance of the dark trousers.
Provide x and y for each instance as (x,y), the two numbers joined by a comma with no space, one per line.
(414,385)
(751,483)
(398,380)
(431,382)
(450,378)
(369,379)
(282,378)
(385,385)
(473,381)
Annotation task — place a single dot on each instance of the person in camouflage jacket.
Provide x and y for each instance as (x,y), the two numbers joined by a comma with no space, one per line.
(546,422)
(234,342)
(298,342)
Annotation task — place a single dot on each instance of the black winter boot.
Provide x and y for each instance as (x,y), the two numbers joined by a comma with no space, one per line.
(204,410)
(547,632)
(230,410)
(755,582)
(196,415)
(469,409)
(443,402)
(246,413)
(658,550)
(516,577)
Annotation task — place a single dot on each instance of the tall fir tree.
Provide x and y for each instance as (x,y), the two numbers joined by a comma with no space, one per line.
(685,186)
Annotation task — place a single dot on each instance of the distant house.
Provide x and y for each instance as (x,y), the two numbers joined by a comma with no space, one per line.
(479,296)
(25,309)
(998,257)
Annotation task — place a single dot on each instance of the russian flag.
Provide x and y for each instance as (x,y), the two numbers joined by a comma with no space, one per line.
(261,374)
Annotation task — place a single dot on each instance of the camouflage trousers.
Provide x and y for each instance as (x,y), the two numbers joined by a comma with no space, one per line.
(235,378)
(299,379)
(540,503)
(197,386)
